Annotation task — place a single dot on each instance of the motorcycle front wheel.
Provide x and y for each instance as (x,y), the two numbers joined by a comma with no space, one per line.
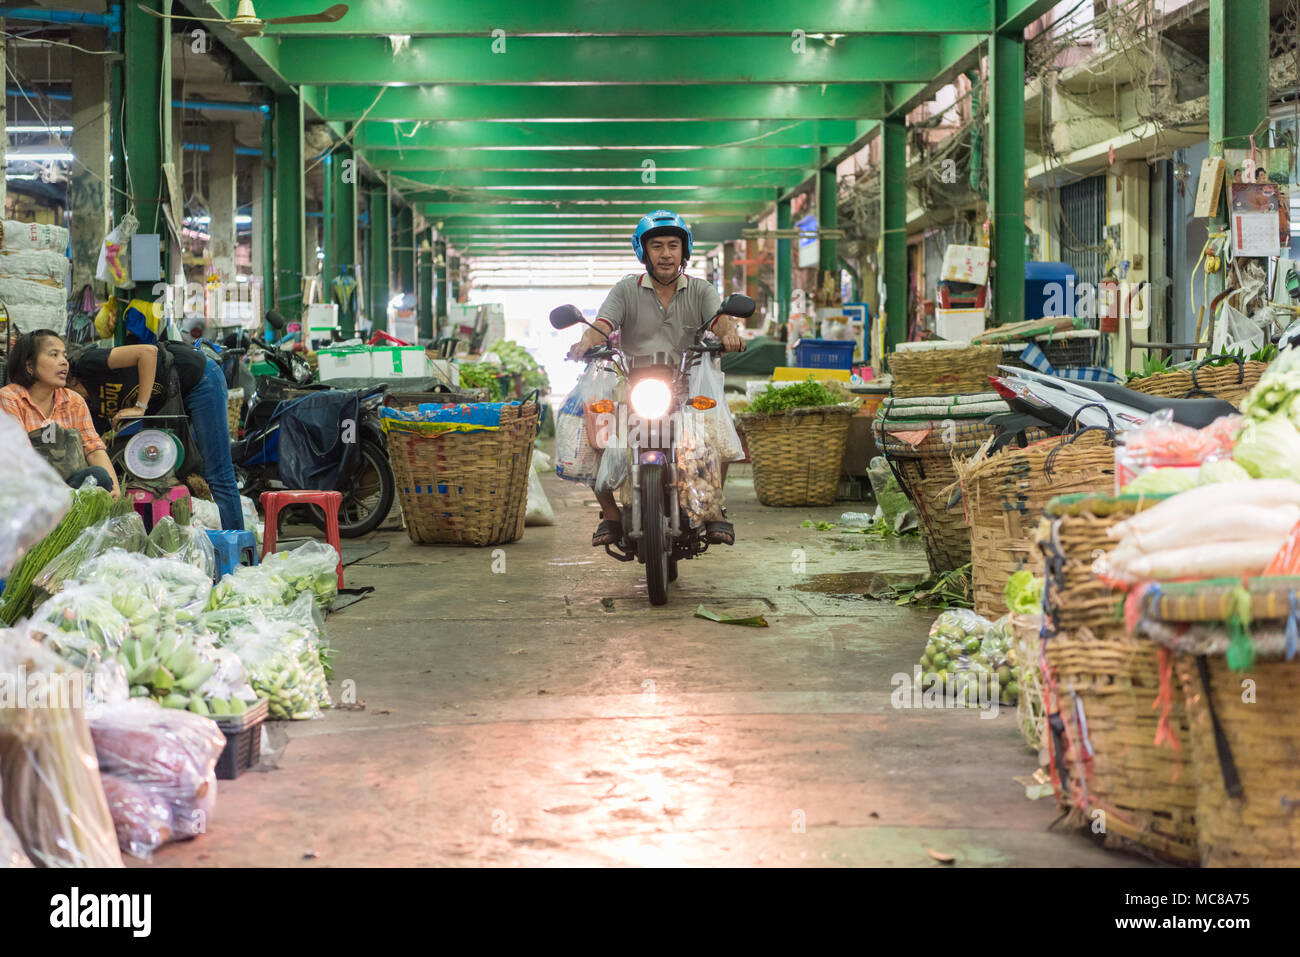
(654,533)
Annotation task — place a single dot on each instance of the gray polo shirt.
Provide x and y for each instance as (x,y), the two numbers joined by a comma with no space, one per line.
(645,326)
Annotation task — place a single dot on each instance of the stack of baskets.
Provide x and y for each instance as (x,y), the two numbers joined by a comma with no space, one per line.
(940,400)
(1119,741)
(797,453)
(465,487)
(1243,734)
(1228,382)
(1005,494)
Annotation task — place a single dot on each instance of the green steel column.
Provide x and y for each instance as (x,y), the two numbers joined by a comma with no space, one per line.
(1007,174)
(893,228)
(289,218)
(144,41)
(440,253)
(267,225)
(345,229)
(425,297)
(453,272)
(784,283)
(828,256)
(327,237)
(378,262)
(405,250)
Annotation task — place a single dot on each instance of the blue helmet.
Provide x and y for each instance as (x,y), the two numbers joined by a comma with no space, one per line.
(658,223)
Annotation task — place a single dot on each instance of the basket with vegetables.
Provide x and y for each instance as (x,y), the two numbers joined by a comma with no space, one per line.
(1227,376)
(796,437)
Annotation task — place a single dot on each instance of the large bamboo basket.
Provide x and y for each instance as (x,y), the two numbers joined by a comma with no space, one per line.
(1230,382)
(1105,698)
(1031,715)
(797,454)
(926,473)
(943,371)
(1005,494)
(466,488)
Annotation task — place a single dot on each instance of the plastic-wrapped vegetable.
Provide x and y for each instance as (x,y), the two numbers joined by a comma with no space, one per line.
(164,580)
(206,514)
(893,501)
(714,425)
(310,568)
(699,475)
(967,657)
(284,667)
(250,585)
(163,763)
(81,625)
(118,531)
(184,543)
(33,498)
(49,777)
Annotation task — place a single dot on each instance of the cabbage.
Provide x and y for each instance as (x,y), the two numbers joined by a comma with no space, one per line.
(1224,470)
(1269,449)
(1162,482)
(1024,594)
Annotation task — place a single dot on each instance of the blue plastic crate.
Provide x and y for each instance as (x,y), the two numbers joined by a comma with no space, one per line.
(824,353)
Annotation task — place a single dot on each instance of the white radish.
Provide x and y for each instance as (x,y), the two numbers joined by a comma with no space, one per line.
(1263,493)
(1218,560)
(1234,523)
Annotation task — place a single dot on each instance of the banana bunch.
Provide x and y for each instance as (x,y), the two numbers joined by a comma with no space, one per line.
(170,670)
(293,683)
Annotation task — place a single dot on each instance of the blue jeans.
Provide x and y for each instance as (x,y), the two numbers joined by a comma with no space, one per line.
(206,406)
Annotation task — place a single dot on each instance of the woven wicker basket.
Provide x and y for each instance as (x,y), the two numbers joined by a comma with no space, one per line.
(797,454)
(466,488)
(944,371)
(1031,714)
(1005,495)
(926,473)
(1107,695)
(1230,382)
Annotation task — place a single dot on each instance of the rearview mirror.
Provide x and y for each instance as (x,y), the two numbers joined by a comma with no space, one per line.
(562,317)
(742,307)
(275,320)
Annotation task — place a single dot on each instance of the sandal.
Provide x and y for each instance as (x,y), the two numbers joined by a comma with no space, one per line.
(719,533)
(608,532)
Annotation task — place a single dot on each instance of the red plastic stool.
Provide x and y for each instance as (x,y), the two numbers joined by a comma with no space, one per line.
(328,502)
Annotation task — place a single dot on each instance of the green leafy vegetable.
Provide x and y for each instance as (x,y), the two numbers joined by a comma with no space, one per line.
(1269,449)
(1167,481)
(797,396)
(1024,594)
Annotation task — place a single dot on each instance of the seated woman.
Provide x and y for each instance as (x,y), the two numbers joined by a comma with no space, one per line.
(52,415)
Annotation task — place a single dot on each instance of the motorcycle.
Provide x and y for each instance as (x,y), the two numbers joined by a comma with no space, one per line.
(657,531)
(367,485)
(1058,405)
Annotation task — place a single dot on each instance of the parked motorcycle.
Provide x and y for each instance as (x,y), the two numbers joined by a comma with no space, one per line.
(656,531)
(367,484)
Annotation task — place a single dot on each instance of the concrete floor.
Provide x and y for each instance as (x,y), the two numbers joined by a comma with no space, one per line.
(542,713)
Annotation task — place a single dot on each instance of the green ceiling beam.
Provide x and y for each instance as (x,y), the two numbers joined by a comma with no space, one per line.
(593,17)
(731,158)
(1018,14)
(712,209)
(596,179)
(555,221)
(647,101)
(746,134)
(592,196)
(364,61)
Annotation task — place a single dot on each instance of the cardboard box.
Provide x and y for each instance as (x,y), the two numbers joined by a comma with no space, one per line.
(965,264)
(958,325)
(349,362)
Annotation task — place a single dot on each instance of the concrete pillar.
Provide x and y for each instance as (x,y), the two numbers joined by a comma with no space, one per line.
(88,192)
(221,200)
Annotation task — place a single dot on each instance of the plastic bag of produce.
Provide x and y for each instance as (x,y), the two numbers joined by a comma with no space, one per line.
(162,762)
(615,464)
(120,531)
(699,475)
(165,580)
(956,662)
(310,568)
(33,498)
(81,625)
(714,423)
(184,543)
(283,664)
(575,456)
(250,585)
(539,510)
(251,524)
(207,514)
(11,849)
(49,779)
(893,501)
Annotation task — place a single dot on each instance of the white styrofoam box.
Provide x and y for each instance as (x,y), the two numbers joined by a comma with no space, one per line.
(965,264)
(405,328)
(445,371)
(399,362)
(958,325)
(322,317)
(353,362)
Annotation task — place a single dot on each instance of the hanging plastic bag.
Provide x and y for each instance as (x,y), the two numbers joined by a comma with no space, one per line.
(615,464)
(575,454)
(33,498)
(114,265)
(1236,331)
(714,424)
(699,475)
(539,506)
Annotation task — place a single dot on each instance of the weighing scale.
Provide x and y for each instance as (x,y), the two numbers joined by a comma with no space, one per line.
(150,459)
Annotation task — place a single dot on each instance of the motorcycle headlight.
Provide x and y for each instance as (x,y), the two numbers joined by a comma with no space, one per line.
(651,398)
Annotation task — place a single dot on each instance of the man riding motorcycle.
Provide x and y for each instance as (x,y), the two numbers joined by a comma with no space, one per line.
(658,311)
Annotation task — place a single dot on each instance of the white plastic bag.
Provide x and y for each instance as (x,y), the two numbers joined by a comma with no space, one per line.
(1234,331)
(114,265)
(207,514)
(539,506)
(33,498)
(575,456)
(714,425)
(615,465)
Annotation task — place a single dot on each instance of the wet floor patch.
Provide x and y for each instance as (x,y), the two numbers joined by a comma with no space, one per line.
(859,584)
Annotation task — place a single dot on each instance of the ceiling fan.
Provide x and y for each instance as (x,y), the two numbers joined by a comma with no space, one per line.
(247,23)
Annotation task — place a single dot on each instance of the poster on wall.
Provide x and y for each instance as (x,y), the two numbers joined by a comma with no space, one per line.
(1261,220)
